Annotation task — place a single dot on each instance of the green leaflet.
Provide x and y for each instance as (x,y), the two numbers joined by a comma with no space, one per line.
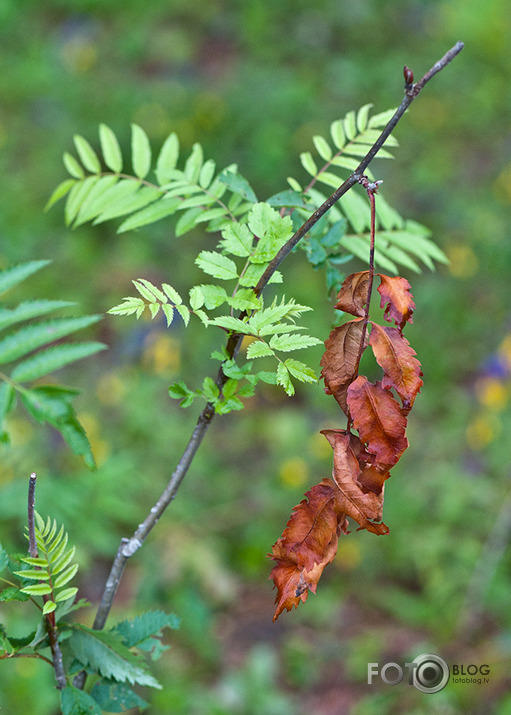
(216,265)
(30,309)
(105,652)
(30,337)
(167,159)
(110,148)
(51,359)
(140,152)
(87,155)
(14,275)
(74,701)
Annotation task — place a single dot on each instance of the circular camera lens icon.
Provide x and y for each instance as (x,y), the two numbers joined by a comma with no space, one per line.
(431,673)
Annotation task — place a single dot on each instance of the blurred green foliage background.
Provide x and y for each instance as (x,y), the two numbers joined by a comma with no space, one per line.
(253,81)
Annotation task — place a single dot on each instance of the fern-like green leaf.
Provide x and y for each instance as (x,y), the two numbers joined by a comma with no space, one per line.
(30,309)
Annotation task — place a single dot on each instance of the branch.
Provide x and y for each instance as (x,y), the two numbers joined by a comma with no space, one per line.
(411,92)
(129,546)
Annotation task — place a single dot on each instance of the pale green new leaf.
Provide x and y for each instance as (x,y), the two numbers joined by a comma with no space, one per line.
(237,239)
(196,298)
(66,593)
(184,313)
(350,126)
(216,265)
(51,359)
(37,589)
(172,294)
(36,574)
(30,337)
(118,199)
(149,291)
(94,202)
(284,379)
(214,296)
(14,275)
(245,299)
(287,342)
(168,311)
(87,155)
(49,607)
(229,322)
(128,307)
(110,148)
(381,119)
(140,151)
(167,159)
(65,576)
(258,349)
(302,372)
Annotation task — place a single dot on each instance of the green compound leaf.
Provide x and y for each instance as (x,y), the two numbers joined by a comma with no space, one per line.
(116,697)
(258,349)
(151,214)
(110,148)
(140,151)
(300,371)
(217,265)
(284,379)
(237,240)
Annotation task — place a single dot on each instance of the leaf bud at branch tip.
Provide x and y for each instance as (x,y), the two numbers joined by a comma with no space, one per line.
(408,75)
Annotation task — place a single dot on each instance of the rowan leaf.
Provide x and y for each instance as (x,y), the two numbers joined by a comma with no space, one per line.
(307,545)
(396,299)
(379,420)
(140,152)
(358,504)
(352,297)
(397,358)
(110,148)
(340,360)
(217,265)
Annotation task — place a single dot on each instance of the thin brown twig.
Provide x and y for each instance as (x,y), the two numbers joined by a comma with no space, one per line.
(129,546)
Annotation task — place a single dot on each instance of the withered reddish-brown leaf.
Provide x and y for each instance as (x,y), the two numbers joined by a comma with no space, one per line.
(340,359)
(379,421)
(307,545)
(395,295)
(355,500)
(352,297)
(395,355)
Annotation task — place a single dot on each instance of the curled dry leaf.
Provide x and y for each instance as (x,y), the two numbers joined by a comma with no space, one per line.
(352,297)
(379,421)
(307,545)
(356,501)
(397,358)
(340,359)
(396,299)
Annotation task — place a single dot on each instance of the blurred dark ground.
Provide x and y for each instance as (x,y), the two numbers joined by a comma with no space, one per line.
(252,82)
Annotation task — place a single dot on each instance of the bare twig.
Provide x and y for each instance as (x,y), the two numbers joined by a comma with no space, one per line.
(129,546)
(51,626)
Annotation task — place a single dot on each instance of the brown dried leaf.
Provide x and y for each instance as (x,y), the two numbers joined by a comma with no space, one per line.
(379,421)
(361,505)
(340,359)
(352,297)
(307,545)
(395,356)
(396,296)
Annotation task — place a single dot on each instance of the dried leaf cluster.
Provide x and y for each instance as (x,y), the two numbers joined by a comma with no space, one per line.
(371,445)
